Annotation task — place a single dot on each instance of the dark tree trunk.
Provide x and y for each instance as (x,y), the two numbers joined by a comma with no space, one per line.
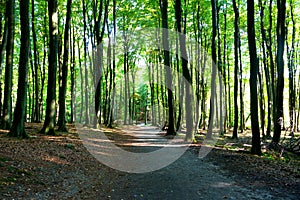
(3,42)
(81,83)
(72,71)
(261,102)
(236,66)
(17,129)
(169,76)
(6,117)
(186,74)
(37,117)
(214,70)
(281,7)
(272,64)
(225,50)
(50,117)
(113,72)
(86,84)
(266,68)
(255,149)
(64,73)
(292,72)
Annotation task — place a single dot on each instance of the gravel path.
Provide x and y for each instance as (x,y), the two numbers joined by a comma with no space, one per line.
(62,168)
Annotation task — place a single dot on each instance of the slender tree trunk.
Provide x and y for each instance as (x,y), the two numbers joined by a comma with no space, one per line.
(225,50)
(72,70)
(6,117)
(261,102)
(50,117)
(281,7)
(17,129)
(214,70)
(266,68)
(43,70)
(81,84)
(169,76)
(3,42)
(86,84)
(254,64)
(292,72)
(186,74)
(271,59)
(236,66)
(37,117)
(63,87)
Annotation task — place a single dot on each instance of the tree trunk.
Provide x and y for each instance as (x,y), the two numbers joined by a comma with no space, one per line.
(281,7)
(169,76)
(6,117)
(17,129)
(3,42)
(214,70)
(255,149)
(186,74)
(86,83)
(37,116)
(50,117)
(72,70)
(64,71)
(236,66)
(266,68)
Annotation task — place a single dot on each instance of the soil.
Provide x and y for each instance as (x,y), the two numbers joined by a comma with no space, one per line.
(61,167)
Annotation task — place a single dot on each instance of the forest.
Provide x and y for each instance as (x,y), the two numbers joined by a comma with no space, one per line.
(198,68)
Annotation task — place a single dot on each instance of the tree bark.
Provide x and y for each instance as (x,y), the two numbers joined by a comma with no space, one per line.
(280,30)
(17,129)
(7,103)
(255,149)
(63,86)
(186,74)
(214,69)
(50,117)
(169,76)
(3,42)
(236,66)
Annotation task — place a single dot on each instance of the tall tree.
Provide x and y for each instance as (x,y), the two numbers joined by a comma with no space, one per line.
(7,101)
(86,90)
(255,149)
(17,129)
(169,76)
(37,99)
(3,40)
(280,30)
(236,66)
(214,70)
(50,117)
(186,72)
(64,73)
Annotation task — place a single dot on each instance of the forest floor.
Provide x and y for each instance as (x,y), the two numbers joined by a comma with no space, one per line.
(61,167)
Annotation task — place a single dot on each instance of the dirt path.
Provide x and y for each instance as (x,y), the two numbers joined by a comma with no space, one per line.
(62,168)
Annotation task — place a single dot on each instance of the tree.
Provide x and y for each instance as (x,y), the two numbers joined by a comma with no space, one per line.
(214,68)
(280,30)
(169,76)
(186,73)
(17,129)
(236,66)
(3,40)
(64,73)
(7,104)
(37,114)
(50,117)
(255,149)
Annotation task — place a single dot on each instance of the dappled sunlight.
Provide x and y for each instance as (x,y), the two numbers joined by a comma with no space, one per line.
(221,185)
(55,159)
